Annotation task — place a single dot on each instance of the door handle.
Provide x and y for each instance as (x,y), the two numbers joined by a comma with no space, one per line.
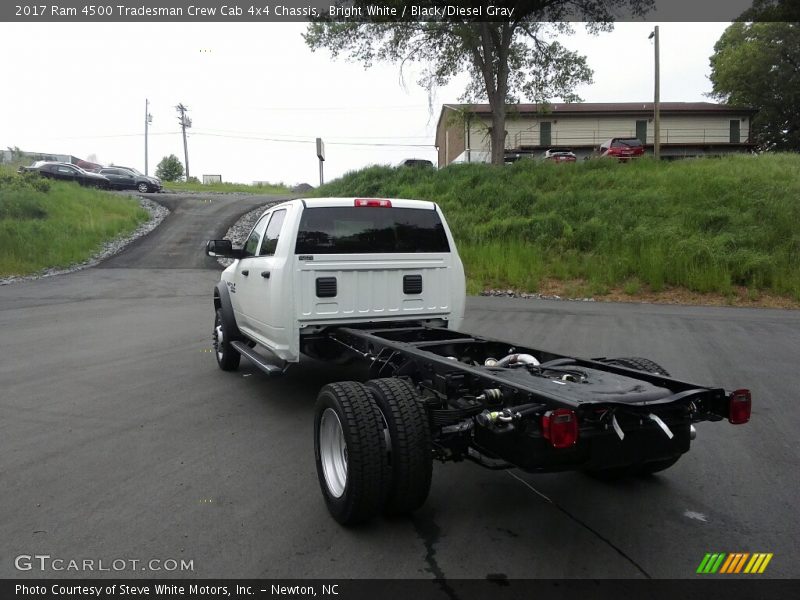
(245,272)
(265,274)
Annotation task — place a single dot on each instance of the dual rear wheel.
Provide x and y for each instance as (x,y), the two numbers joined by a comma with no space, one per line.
(373,449)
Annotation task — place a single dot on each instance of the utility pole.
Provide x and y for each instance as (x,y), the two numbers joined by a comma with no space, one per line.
(657,99)
(148,118)
(185,122)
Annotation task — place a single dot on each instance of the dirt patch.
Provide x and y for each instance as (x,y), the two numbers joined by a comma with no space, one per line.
(555,289)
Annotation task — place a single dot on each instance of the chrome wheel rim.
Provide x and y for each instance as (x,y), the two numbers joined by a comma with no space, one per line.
(218,340)
(333,452)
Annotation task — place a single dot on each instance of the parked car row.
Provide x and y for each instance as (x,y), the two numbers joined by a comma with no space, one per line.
(620,148)
(108,178)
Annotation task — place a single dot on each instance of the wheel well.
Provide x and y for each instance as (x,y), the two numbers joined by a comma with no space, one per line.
(217,301)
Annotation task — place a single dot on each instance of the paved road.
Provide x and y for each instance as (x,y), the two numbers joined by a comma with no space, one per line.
(120,438)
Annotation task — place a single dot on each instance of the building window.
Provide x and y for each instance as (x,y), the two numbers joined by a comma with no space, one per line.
(735,137)
(545,130)
(641,130)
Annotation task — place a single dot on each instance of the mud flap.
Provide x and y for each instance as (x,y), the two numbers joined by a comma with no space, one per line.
(229,320)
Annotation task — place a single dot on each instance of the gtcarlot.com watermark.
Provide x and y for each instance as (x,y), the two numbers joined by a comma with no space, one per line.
(46,562)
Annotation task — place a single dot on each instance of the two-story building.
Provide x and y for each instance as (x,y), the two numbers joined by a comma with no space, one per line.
(687,128)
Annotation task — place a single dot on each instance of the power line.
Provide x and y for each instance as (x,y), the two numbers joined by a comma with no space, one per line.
(311,141)
(115,135)
(266,138)
(334,108)
(341,137)
(378,144)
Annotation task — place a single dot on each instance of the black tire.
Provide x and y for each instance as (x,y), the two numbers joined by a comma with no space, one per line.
(143,188)
(227,357)
(360,493)
(640,364)
(410,464)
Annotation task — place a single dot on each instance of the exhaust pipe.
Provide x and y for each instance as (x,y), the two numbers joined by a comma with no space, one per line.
(516,358)
(692,432)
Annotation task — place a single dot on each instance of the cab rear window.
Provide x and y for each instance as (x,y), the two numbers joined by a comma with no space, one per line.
(370,230)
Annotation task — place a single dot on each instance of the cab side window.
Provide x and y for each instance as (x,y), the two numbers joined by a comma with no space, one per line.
(251,245)
(270,242)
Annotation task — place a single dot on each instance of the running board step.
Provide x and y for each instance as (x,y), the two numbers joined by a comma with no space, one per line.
(258,360)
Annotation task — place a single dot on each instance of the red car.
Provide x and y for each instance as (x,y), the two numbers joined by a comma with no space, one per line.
(622,148)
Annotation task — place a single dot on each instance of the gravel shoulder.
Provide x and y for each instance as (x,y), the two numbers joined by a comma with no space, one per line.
(157,214)
(238,232)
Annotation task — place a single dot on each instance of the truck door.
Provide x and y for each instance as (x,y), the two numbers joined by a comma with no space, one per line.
(264,305)
(245,272)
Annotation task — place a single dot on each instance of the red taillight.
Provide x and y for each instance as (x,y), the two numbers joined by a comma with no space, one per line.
(739,407)
(560,426)
(373,202)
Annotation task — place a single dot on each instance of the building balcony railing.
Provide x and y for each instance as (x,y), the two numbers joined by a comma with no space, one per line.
(595,137)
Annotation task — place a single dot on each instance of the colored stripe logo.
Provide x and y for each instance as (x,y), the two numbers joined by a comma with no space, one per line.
(734,562)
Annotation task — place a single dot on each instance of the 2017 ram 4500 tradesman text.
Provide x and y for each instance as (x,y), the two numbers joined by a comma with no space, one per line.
(380,280)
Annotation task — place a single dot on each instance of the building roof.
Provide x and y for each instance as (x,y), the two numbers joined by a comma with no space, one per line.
(606,107)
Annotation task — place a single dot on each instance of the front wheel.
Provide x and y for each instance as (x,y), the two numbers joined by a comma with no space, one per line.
(350,452)
(227,357)
(143,188)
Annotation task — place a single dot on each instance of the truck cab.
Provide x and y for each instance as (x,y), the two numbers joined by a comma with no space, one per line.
(309,265)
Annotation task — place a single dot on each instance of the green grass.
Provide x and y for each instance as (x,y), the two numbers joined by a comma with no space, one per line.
(47,224)
(266,188)
(706,225)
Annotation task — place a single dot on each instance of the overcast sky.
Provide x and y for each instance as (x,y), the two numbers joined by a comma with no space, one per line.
(80,89)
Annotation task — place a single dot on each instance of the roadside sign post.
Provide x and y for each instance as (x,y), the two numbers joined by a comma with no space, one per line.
(148,118)
(321,157)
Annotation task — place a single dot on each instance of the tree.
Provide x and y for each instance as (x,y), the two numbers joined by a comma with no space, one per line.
(772,11)
(170,168)
(507,60)
(758,65)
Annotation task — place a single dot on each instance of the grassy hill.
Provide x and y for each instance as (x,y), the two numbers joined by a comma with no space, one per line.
(725,226)
(45,223)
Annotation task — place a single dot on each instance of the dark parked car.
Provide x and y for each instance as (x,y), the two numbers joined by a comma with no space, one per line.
(416,162)
(67,172)
(122,178)
(622,148)
(156,181)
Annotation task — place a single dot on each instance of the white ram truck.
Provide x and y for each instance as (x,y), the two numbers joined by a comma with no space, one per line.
(309,265)
(380,280)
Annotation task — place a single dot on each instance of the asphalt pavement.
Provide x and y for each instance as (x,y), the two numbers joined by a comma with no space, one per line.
(121,439)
